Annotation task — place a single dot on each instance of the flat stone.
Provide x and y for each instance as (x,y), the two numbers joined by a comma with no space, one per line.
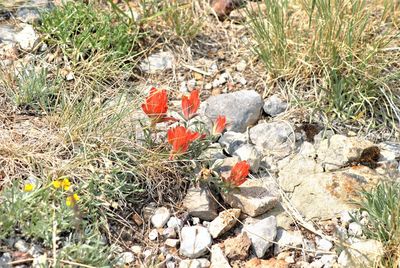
(237,248)
(254,197)
(339,150)
(241,108)
(362,254)
(261,234)
(275,138)
(195,241)
(218,259)
(326,195)
(274,106)
(224,222)
(200,203)
(160,217)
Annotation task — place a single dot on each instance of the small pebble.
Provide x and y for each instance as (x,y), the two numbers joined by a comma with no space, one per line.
(195,220)
(174,222)
(173,243)
(21,245)
(241,66)
(153,235)
(169,232)
(355,229)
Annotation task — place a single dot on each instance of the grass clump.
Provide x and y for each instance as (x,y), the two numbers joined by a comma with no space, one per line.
(383,207)
(96,41)
(336,53)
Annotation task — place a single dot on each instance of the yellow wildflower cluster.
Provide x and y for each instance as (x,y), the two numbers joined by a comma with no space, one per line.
(29,187)
(64,184)
(70,201)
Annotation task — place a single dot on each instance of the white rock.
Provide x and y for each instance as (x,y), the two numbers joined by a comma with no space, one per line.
(160,217)
(286,239)
(345,217)
(126,258)
(355,229)
(208,86)
(158,62)
(175,223)
(218,259)
(195,220)
(195,241)
(136,249)
(224,222)
(21,245)
(231,141)
(169,232)
(241,66)
(200,203)
(38,262)
(254,197)
(274,106)
(328,260)
(153,234)
(323,244)
(173,243)
(249,153)
(362,254)
(170,264)
(275,138)
(196,263)
(261,234)
(27,37)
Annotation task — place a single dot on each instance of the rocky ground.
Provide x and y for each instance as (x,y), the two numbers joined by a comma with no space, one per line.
(294,211)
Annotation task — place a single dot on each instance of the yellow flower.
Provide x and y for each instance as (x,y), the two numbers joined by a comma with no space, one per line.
(65,184)
(28,187)
(56,184)
(71,200)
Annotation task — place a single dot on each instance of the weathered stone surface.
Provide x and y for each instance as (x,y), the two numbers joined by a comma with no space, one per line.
(175,223)
(286,239)
(274,106)
(237,248)
(218,259)
(241,108)
(389,150)
(196,263)
(261,234)
(249,153)
(275,138)
(270,263)
(28,14)
(362,254)
(157,62)
(126,258)
(160,217)
(23,34)
(200,203)
(231,141)
(325,195)
(195,241)
(212,153)
(254,197)
(355,229)
(337,151)
(173,243)
(224,222)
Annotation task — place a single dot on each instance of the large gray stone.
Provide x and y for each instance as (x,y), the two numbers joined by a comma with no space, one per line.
(275,138)
(254,197)
(261,234)
(195,240)
(199,203)
(242,109)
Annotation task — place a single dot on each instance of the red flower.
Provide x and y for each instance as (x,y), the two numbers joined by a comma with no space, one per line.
(180,138)
(219,125)
(156,106)
(190,104)
(239,173)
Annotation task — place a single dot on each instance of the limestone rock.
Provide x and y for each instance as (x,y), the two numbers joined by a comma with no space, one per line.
(237,248)
(157,62)
(231,141)
(224,222)
(160,217)
(195,240)
(218,259)
(286,239)
(362,254)
(274,106)
(261,235)
(250,154)
(336,152)
(275,138)
(254,197)
(241,108)
(200,203)
(173,243)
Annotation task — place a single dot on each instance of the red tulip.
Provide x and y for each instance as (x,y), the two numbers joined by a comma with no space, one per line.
(180,138)
(219,125)
(239,173)
(156,106)
(190,104)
